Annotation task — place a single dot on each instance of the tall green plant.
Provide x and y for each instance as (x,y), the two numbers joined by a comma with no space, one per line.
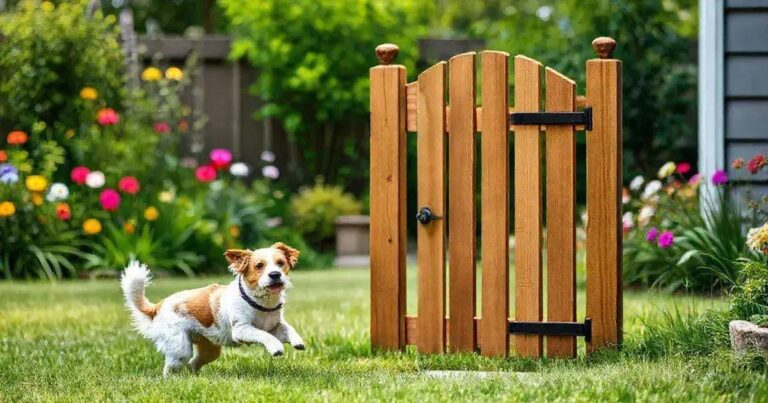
(313,59)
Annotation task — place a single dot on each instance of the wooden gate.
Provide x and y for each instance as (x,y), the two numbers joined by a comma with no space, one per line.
(446,136)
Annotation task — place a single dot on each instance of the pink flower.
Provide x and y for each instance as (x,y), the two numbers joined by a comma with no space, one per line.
(162,127)
(79,174)
(109,199)
(694,180)
(683,168)
(719,177)
(129,184)
(652,234)
(666,239)
(756,164)
(220,158)
(205,173)
(107,117)
(270,171)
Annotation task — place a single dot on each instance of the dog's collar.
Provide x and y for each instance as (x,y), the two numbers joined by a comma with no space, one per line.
(253,303)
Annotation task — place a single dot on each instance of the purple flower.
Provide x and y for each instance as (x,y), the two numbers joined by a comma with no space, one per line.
(719,177)
(652,234)
(666,239)
(267,156)
(8,174)
(270,171)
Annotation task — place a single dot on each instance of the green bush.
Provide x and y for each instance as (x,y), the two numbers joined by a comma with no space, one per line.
(48,54)
(313,59)
(315,209)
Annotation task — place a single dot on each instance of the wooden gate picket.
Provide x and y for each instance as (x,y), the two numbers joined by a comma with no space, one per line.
(494,141)
(528,298)
(398,107)
(431,194)
(561,211)
(461,203)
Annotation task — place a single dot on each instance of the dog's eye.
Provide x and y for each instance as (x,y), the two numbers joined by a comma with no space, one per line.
(260,265)
(280,263)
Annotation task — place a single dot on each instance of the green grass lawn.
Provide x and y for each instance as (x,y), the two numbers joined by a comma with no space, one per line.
(72,341)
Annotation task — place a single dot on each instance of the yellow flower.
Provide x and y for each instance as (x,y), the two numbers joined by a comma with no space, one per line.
(166,196)
(36,183)
(69,133)
(7,209)
(89,93)
(151,74)
(234,231)
(174,73)
(151,213)
(47,6)
(37,199)
(129,227)
(91,226)
(667,169)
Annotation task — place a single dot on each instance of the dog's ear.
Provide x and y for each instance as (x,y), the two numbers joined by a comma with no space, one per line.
(291,254)
(238,259)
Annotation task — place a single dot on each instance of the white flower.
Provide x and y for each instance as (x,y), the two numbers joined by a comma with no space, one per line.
(270,171)
(217,186)
(58,191)
(95,179)
(274,222)
(667,169)
(239,169)
(166,196)
(636,183)
(645,214)
(627,220)
(651,189)
(268,156)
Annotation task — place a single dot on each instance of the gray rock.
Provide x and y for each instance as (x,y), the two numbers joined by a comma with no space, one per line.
(747,336)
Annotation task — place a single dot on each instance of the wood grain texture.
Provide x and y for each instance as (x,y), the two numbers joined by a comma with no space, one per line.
(388,236)
(494,336)
(528,207)
(604,242)
(561,214)
(431,193)
(411,111)
(461,203)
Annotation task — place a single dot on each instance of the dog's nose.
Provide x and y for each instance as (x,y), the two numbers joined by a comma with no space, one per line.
(275,275)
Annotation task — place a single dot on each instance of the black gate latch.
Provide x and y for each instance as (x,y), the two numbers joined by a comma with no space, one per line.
(425,216)
(553,118)
(554,328)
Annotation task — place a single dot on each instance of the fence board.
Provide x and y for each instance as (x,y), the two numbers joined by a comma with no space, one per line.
(431,193)
(388,234)
(461,199)
(604,203)
(494,336)
(561,213)
(528,210)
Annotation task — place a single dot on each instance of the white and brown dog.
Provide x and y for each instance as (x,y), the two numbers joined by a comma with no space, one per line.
(247,310)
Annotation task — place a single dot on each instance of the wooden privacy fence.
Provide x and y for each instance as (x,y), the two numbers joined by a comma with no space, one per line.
(446,136)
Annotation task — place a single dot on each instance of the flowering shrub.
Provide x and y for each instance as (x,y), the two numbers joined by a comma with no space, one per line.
(673,243)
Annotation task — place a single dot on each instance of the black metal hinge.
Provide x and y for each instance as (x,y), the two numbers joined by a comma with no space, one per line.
(553,118)
(554,328)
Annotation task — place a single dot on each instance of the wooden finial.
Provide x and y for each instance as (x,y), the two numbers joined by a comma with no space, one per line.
(387,53)
(604,47)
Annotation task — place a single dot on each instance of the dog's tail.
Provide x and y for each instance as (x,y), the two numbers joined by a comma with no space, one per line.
(134,280)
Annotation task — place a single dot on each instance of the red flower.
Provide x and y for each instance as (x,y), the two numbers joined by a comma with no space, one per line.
(79,174)
(205,173)
(129,184)
(17,137)
(3,156)
(756,164)
(63,212)
(109,199)
(162,127)
(683,168)
(107,117)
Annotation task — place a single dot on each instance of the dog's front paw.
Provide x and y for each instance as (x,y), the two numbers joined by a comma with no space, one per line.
(275,349)
(299,346)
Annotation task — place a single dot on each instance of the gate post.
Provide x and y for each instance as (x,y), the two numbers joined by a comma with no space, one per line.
(387,198)
(604,232)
